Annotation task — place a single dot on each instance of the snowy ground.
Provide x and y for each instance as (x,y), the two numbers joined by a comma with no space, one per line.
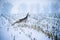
(42,24)
(32,29)
(20,31)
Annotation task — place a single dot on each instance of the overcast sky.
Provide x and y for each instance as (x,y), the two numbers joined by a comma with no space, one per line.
(33,6)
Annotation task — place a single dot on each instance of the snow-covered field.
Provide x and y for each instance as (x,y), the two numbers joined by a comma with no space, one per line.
(32,29)
(20,31)
(43,22)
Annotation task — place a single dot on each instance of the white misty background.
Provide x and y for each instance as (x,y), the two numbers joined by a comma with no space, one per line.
(44,19)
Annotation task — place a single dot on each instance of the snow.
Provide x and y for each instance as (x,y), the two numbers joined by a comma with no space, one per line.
(42,22)
(23,30)
(20,33)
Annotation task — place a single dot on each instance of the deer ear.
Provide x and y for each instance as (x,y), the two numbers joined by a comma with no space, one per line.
(28,14)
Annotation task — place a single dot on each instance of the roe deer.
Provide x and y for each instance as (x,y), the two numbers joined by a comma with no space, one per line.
(21,20)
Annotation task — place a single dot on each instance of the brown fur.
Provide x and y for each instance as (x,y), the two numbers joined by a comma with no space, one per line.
(20,20)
